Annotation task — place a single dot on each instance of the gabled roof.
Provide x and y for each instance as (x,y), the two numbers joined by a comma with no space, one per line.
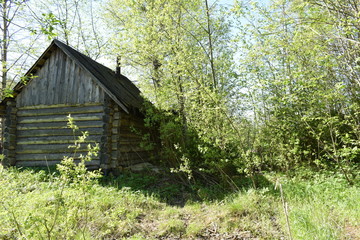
(118,87)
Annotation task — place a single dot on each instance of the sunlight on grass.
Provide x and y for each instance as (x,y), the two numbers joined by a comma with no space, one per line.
(36,205)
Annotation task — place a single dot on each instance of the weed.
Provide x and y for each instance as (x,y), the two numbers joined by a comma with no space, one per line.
(322,207)
(195,228)
(172,226)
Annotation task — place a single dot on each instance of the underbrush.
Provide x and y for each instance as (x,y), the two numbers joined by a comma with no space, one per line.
(38,205)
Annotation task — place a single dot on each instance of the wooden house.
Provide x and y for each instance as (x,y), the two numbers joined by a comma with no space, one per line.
(64,81)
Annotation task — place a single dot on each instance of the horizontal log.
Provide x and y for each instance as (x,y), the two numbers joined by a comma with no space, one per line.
(132,156)
(135,154)
(57,132)
(128,132)
(49,156)
(116,115)
(127,135)
(127,148)
(125,143)
(2,110)
(9,145)
(130,162)
(60,118)
(9,137)
(10,130)
(60,111)
(130,125)
(89,165)
(9,153)
(59,125)
(58,106)
(55,140)
(49,148)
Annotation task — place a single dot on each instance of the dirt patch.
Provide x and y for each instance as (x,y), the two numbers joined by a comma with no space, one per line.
(352,232)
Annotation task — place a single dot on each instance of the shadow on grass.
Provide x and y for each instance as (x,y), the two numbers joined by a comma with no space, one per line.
(171,188)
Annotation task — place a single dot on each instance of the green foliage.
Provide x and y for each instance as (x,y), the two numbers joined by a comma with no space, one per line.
(77,172)
(298,89)
(49,22)
(286,105)
(172,226)
(36,205)
(181,50)
(7,92)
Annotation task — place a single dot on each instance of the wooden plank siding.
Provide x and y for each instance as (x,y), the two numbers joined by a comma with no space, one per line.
(60,81)
(43,137)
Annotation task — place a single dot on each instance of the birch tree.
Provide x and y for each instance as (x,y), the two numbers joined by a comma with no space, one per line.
(299,72)
(17,41)
(182,54)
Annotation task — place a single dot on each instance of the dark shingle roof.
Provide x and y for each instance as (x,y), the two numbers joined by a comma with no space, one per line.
(117,86)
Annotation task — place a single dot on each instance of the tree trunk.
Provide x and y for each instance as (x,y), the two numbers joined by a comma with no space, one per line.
(4,46)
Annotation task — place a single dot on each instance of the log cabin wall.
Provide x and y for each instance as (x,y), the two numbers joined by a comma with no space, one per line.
(43,137)
(126,137)
(9,135)
(59,88)
(64,81)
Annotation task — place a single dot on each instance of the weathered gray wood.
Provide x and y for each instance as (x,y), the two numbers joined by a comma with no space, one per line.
(9,134)
(10,130)
(58,125)
(87,89)
(60,77)
(48,148)
(42,84)
(42,106)
(131,159)
(135,155)
(73,81)
(50,78)
(44,163)
(127,148)
(53,98)
(57,132)
(82,88)
(49,156)
(54,139)
(2,110)
(60,118)
(60,81)
(105,152)
(8,154)
(124,142)
(64,80)
(128,132)
(60,110)
(109,132)
(62,86)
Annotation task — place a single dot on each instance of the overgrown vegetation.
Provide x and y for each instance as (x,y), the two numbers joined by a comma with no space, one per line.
(236,93)
(253,87)
(36,204)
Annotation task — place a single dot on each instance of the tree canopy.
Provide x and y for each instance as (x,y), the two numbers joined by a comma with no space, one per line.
(236,88)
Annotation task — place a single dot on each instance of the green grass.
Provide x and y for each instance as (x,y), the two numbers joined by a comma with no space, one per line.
(38,205)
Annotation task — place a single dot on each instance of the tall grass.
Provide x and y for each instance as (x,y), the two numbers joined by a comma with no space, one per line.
(37,205)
